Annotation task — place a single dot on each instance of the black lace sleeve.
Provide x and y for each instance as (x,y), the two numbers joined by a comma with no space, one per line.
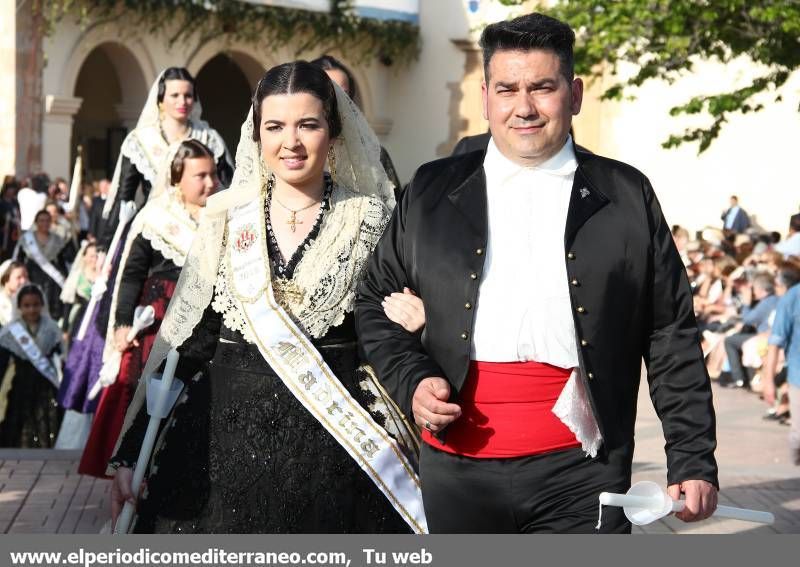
(195,353)
(201,346)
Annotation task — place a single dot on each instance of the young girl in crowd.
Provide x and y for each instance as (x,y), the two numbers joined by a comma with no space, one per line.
(31,417)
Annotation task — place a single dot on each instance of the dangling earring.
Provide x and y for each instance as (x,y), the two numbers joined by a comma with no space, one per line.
(332,162)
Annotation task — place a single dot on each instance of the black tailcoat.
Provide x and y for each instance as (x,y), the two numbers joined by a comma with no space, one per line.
(630,296)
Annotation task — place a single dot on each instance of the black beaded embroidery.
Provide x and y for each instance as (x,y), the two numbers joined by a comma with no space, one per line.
(280,267)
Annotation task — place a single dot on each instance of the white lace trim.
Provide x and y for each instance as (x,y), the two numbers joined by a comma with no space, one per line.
(329,270)
(166,248)
(161,242)
(575,411)
(145,147)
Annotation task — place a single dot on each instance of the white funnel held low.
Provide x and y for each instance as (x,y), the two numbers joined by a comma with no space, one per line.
(645,502)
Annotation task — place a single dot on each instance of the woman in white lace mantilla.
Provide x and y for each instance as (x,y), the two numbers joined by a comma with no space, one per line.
(281,251)
(171,113)
(158,242)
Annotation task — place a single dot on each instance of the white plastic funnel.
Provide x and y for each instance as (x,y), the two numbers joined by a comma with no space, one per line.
(645,502)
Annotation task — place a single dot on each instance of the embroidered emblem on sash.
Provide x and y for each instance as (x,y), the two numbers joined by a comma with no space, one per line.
(245,238)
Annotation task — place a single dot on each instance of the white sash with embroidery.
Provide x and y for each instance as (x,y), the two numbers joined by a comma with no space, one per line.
(43,364)
(301,368)
(32,249)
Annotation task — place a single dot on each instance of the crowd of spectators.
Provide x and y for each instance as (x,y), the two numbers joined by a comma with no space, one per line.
(744,284)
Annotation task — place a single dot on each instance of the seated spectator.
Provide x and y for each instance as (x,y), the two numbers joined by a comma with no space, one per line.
(758,302)
(791,246)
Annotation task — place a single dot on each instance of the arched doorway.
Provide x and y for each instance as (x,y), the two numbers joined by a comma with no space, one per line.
(113,91)
(225,92)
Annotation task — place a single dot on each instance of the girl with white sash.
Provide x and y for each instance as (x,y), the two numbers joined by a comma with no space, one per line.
(277,430)
(29,415)
(47,256)
(171,113)
(158,243)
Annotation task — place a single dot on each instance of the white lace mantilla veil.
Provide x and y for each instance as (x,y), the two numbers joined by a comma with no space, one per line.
(356,155)
(150,118)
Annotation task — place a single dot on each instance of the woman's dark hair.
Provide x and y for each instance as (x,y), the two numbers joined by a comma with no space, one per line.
(29,289)
(58,206)
(189,149)
(9,182)
(40,213)
(5,276)
(297,77)
(91,245)
(529,32)
(173,74)
(330,63)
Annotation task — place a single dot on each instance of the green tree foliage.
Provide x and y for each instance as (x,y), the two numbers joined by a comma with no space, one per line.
(360,39)
(666,38)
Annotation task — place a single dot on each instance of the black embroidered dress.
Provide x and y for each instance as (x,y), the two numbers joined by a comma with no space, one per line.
(241,454)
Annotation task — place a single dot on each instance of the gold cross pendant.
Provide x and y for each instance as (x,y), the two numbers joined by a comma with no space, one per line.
(293,222)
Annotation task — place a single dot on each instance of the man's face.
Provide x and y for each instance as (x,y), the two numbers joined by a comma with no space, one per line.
(529,104)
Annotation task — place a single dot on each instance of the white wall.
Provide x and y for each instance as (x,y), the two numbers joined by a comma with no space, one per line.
(752,158)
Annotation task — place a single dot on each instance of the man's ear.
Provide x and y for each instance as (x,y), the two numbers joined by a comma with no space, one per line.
(485,99)
(577,95)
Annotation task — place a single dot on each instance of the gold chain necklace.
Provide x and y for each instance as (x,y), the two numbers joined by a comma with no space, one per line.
(293,222)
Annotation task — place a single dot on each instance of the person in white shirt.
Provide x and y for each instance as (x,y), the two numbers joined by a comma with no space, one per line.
(547,273)
(791,246)
(31,201)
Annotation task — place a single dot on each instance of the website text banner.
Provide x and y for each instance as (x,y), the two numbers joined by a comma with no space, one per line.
(395,551)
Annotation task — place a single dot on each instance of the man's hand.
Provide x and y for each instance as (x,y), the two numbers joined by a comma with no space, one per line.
(430,406)
(701,499)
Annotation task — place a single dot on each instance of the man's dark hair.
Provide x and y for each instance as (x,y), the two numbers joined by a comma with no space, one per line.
(189,149)
(794,223)
(297,77)
(330,63)
(526,33)
(173,74)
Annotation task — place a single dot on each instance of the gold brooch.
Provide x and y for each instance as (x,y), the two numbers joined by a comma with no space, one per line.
(287,292)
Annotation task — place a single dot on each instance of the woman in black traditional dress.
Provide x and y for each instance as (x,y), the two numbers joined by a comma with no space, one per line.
(286,436)
(170,114)
(32,417)
(157,246)
(46,255)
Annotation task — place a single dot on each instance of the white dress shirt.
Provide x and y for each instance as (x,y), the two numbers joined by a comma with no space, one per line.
(523,311)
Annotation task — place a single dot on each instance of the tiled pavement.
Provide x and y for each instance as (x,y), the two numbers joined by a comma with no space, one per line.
(41,492)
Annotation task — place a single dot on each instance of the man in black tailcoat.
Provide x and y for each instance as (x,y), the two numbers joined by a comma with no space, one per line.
(542,263)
